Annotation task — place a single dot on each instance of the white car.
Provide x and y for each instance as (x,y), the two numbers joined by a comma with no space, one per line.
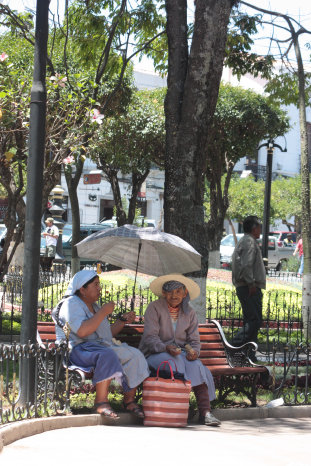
(277,255)
(227,246)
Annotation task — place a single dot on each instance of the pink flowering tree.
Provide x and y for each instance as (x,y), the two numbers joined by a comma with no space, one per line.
(88,77)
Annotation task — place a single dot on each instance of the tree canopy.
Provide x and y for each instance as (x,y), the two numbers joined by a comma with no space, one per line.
(129,143)
(241,120)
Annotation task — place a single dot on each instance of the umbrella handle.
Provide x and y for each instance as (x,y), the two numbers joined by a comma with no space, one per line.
(139,248)
(133,296)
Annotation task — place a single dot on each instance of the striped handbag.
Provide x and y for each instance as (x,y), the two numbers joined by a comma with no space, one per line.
(166,401)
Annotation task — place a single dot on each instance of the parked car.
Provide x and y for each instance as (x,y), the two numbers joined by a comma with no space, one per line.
(147,222)
(85,230)
(277,255)
(278,252)
(281,235)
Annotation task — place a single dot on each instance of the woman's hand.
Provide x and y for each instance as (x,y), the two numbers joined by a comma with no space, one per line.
(129,316)
(173,350)
(107,308)
(192,356)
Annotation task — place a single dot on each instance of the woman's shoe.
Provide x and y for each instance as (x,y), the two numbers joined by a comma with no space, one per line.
(209,420)
(106,410)
(136,409)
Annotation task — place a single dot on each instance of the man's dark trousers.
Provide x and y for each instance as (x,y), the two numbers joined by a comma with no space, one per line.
(252,316)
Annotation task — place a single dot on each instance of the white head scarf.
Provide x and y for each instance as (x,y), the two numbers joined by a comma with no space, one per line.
(78,280)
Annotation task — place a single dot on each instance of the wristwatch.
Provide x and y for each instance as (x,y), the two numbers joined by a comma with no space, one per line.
(122,318)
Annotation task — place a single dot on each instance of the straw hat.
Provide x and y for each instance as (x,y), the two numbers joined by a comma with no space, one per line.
(192,287)
(49,220)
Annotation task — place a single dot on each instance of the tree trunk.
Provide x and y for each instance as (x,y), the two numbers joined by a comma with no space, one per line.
(193,84)
(137,181)
(72,184)
(305,194)
(112,176)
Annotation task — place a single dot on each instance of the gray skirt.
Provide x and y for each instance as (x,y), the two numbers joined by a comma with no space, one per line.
(194,371)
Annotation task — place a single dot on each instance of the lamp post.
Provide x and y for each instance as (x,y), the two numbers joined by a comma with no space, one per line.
(34,201)
(57,211)
(270,145)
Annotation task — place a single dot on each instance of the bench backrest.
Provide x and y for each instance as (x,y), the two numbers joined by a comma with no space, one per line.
(46,331)
(212,348)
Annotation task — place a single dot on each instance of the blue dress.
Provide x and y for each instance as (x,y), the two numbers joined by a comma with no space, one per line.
(99,351)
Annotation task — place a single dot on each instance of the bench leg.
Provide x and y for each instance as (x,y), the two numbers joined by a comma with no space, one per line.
(238,384)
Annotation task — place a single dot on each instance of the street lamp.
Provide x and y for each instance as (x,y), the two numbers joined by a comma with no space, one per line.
(57,211)
(270,145)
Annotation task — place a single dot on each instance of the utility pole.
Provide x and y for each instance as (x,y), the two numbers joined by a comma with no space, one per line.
(34,198)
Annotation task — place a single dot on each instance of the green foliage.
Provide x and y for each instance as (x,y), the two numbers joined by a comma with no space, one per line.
(279,85)
(246,194)
(286,198)
(7,324)
(241,120)
(239,44)
(132,140)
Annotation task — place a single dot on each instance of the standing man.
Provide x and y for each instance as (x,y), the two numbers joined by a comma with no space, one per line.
(249,278)
(51,234)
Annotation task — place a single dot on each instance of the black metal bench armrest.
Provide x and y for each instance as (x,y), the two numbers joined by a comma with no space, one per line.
(237,355)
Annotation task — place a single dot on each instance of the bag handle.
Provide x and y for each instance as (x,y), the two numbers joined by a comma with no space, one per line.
(170,367)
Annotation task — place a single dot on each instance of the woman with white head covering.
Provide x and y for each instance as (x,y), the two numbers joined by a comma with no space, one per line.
(92,346)
(171,332)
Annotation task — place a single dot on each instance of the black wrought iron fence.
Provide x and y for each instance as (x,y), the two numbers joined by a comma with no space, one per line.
(48,397)
(291,374)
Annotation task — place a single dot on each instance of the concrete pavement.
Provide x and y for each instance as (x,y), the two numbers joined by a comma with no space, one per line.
(274,442)
(258,440)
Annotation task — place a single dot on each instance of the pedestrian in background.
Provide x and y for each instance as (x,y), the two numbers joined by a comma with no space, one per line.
(299,249)
(249,278)
(51,235)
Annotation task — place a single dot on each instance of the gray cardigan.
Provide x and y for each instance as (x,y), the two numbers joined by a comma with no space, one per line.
(159,331)
(247,265)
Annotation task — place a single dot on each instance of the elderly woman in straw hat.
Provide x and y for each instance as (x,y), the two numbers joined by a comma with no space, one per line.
(92,344)
(171,331)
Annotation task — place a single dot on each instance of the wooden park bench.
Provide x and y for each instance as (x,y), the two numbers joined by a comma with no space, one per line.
(231,367)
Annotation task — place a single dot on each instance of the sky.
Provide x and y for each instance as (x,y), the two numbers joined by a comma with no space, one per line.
(300,10)
(297,9)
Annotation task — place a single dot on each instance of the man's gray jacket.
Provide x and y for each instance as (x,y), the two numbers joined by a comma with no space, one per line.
(247,265)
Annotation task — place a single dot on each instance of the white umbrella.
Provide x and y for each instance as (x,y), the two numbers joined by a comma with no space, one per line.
(145,250)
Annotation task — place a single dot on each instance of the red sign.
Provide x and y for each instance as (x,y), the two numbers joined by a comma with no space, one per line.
(92,178)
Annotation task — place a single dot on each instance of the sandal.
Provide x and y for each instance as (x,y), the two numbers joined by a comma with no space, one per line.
(136,410)
(107,411)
